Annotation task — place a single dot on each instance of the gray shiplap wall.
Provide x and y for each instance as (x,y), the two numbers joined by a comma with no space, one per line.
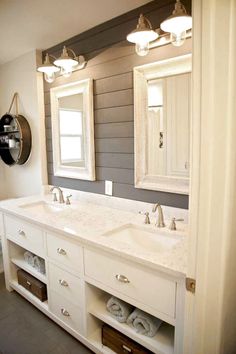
(112,71)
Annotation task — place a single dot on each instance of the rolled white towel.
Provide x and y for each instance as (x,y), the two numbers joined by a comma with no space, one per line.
(119,309)
(144,323)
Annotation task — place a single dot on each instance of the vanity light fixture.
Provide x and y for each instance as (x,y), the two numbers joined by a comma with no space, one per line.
(48,69)
(142,35)
(68,61)
(177,24)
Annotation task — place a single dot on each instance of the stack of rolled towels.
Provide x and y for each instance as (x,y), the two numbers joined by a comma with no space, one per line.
(141,321)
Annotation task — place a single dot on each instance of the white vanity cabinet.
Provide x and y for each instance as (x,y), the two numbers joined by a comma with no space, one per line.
(80,279)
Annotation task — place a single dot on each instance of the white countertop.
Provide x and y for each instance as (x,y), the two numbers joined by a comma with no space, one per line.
(86,222)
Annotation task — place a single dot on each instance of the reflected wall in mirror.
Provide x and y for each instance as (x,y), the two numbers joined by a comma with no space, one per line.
(73,130)
(162,93)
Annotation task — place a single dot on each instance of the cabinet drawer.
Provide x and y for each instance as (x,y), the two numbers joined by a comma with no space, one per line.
(65,252)
(65,284)
(139,283)
(67,312)
(24,233)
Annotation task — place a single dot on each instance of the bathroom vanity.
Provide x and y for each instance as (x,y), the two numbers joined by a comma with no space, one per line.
(91,252)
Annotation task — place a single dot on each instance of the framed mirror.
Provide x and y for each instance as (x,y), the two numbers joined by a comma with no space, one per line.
(162,118)
(73,130)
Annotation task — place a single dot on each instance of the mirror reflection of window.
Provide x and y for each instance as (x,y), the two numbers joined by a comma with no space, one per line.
(71,130)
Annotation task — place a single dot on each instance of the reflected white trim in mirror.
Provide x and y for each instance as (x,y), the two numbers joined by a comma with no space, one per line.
(175,180)
(83,133)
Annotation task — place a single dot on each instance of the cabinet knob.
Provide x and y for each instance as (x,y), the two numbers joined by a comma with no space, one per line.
(61,251)
(63,282)
(122,278)
(65,312)
(21,232)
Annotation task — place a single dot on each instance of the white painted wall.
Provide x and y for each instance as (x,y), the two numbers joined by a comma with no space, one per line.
(20,76)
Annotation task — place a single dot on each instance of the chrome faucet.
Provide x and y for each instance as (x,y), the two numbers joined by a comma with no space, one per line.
(60,192)
(160,221)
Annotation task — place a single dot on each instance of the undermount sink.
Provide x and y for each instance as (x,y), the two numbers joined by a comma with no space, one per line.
(44,207)
(141,238)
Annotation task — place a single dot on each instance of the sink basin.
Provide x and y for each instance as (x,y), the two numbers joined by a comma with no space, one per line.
(43,207)
(142,239)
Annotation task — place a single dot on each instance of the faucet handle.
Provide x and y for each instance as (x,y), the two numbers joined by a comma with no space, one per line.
(147,219)
(173,223)
(68,199)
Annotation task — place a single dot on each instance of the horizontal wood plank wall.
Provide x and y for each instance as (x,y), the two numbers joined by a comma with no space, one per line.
(112,71)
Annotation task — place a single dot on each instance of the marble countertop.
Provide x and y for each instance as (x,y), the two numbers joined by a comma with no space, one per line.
(86,222)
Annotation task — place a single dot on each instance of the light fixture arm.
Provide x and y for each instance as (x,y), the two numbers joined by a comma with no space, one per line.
(50,55)
(73,53)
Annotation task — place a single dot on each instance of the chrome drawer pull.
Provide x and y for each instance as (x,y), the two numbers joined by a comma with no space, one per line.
(28,282)
(126,349)
(122,278)
(61,251)
(62,282)
(65,313)
(21,232)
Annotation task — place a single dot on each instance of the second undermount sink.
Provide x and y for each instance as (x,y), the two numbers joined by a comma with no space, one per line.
(142,239)
(44,207)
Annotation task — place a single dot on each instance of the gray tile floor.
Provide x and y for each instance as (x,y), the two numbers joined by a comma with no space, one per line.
(25,330)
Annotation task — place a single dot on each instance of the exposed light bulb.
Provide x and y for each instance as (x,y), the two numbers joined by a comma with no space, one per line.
(177,39)
(49,77)
(66,71)
(142,48)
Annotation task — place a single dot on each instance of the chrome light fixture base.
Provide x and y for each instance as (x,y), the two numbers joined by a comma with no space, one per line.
(66,63)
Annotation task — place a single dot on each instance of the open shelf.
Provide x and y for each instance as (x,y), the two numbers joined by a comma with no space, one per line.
(16,255)
(20,262)
(27,295)
(161,343)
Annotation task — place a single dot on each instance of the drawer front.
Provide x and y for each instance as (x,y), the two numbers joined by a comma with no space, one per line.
(24,233)
(67,312)
(65,284)
(65,252)
(132,280)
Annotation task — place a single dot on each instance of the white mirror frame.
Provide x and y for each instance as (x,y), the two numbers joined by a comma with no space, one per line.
(88,171)
(159,69)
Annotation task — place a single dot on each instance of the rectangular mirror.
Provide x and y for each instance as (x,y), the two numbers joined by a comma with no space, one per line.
(73,130)
(162,93)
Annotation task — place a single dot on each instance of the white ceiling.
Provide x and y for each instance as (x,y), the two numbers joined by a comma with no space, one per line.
(39,24)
